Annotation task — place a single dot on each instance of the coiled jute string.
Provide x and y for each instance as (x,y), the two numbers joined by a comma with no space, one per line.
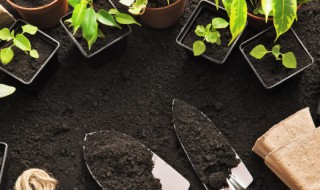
(35,179)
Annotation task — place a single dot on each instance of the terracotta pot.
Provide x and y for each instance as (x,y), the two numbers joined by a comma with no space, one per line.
(259,22)
(165,16)
(44,17)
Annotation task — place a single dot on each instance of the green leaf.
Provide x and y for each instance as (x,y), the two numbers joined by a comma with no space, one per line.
(34,53)
(199,48)
(284,13)
(12,34)
(259,51)
(266,7)
(123,18)
(211,37)
(276,51)
(6,55)
(217,4)
(219,23)
(126,2)
(208,27)
(289,60)
(138,7)
(113,11)
(29,29)
(238,18)
(107,19)
(22,42)
(5,34)
(200,31)
(101,34)
(89,27)
(227,5)
(6,90)
(78,16)
(74,3)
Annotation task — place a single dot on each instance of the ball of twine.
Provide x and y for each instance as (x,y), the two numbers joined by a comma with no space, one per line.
(35,179)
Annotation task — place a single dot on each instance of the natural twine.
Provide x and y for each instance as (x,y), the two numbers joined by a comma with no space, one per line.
(35,179)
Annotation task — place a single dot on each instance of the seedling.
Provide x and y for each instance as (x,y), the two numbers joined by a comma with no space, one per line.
(288,59)
(87,19)
(19,40)
(6,90)
(137,7)
(209,34)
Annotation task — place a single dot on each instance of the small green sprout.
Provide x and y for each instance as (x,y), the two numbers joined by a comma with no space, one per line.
(6,90)
(137,7)
(19,40)
(209,34)
(288,59)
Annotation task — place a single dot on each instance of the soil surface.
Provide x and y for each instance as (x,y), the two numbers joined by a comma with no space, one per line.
(32,3)
(24,66)
(269,69)
(119,161)
(159,3)
(205,17)
(132,93)
(208,150)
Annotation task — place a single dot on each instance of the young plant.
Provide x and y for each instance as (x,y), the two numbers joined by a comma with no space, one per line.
(137,7)
(18,40)
(85,17)
(288,59)
(209,34)
(6,90)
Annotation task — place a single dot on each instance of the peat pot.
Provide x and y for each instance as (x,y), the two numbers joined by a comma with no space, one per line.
(270,71)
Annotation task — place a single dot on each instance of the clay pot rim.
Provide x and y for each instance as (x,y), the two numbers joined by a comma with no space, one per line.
(263,18)
(166,7)
(33,8)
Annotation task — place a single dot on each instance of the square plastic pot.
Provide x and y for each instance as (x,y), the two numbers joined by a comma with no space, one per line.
(201,7)
(40,34)
(304,59)
(3,158)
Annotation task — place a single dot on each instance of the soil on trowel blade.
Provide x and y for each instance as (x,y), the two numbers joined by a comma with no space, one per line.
(120,162)
(209,151)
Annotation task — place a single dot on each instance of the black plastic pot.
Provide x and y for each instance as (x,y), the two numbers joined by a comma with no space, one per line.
(272,73)
(206,8)
(3,157)
(88,54)
(45,38)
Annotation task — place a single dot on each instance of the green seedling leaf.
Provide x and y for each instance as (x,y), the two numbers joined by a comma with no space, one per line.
(259,51)
(218,41)
(208,27)
(219,23)
(101,34)
(227,5)
(211,37)
(107,19)
(34,53)
(113,11)
(78,16)
(138,7)
(6,55)
(198,48)
(12,34)
(126,2)
(5,34)
(74,3)
(89,27)
(29,29)
(266,7)
(238,18)
(22,42)
(284,14)
(123,18)
(289,60)
(200,31)
(217,4)
(6,90)
(276,51)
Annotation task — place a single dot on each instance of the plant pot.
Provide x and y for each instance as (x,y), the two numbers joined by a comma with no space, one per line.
(270,72)
(3,157)
(113,35)
(44,17)
(24,68)
(165,16)
(203,14)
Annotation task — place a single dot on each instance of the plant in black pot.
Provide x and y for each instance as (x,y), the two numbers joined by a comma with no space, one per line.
(99,28)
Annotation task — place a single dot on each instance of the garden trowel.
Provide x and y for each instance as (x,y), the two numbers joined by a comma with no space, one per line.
(187,116)
(169,178)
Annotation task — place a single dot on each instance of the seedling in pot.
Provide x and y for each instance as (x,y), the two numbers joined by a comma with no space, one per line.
(87,19)
(288,59)
(137,7)
(209,34)
(6,90)
(19,40)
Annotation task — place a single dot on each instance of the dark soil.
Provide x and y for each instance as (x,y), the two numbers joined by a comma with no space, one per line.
(32,3)
(217,52)
(119,161)
(159,3)
(132,94)
(22,65)
(208,150)
(270,70)
(111,33)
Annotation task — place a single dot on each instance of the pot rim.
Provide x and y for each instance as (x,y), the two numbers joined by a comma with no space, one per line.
(163,8)
(32,8)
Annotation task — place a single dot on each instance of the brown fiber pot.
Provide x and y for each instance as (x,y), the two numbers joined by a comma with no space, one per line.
(165,16)
(44,17)
(259,22)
